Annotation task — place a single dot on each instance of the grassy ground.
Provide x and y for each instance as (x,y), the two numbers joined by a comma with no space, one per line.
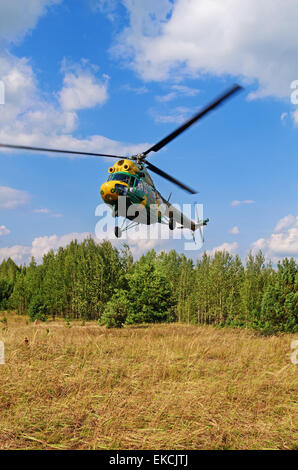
(161,387)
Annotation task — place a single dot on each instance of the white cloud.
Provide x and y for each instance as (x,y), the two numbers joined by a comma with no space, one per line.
(83,90)
(178,90)
(39,247)
(11,198)
(177,115)
(18,253)
(284,222)
(18,17)
(30,119)
(47,211)
(42,245)
(139,247)
(20,87)
(168,97)
(42,211)
(235,230)
(256,40)
(26,116)
(4,230)
(282,242)
(141,90)
(230,247)
(238,203)
(283,116)
(185,90)
(104,6)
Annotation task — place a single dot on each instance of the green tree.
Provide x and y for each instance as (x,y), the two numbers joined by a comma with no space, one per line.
(257,278)
(9,270)
(6,288)
(150,295)
(202,294)
(18,299)
(117,310)
(96,281)
(185,290)
(280,300)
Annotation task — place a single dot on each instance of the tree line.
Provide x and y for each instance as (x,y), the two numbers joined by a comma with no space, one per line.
(91,281)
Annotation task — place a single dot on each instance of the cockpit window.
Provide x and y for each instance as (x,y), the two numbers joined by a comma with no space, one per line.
(129,179)
(119,177)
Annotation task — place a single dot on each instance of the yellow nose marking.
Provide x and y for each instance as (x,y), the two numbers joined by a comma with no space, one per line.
(107,191)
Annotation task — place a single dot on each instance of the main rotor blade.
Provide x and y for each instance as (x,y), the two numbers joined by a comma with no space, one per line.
(73,152)
(195,118)
(169,178)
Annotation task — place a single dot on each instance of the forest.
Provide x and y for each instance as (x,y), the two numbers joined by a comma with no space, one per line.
(90,281)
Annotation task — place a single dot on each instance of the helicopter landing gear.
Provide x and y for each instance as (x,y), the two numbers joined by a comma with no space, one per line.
(172,222)
(118,232)
(124,228)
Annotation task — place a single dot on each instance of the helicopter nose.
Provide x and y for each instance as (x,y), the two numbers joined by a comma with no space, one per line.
(108,192)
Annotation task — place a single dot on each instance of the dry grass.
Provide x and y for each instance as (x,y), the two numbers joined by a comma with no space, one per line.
(161,387)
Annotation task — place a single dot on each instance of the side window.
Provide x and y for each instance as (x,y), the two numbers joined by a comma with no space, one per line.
(151,196)
(140,185)
(132,181)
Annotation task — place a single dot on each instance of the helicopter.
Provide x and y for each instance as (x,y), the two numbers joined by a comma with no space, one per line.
(129,189)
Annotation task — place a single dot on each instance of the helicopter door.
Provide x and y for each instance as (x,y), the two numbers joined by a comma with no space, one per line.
(132,183)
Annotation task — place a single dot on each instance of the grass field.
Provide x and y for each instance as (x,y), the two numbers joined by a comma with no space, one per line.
(159,387)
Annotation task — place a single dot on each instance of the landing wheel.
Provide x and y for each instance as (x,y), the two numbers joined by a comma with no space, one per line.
(172,224)
(118,232)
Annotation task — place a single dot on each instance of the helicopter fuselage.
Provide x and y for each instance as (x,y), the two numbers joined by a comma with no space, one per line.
(132,181)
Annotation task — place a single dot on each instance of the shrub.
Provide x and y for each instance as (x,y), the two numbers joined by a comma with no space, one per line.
(116,310)
(37,308)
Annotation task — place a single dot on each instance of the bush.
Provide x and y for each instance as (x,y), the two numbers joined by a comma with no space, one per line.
(150,296)
(116,310)
(37,308)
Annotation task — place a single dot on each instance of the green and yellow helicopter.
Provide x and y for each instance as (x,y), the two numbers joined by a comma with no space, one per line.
(129,183)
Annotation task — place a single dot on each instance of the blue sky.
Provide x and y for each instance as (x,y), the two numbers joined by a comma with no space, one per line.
(117,76)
